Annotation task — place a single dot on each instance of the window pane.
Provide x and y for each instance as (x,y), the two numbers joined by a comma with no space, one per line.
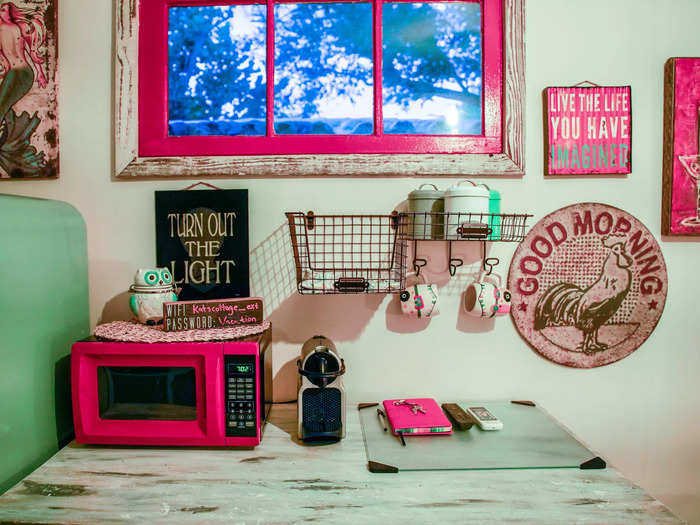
(432,68)
(323,69)
(147,392)
(216,70)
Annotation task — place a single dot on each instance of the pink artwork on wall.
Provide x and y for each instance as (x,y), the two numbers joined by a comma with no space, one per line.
(588,285)
(681,187)
(28,86)
(589,130)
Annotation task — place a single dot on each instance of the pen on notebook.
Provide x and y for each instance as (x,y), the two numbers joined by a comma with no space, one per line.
(381,418)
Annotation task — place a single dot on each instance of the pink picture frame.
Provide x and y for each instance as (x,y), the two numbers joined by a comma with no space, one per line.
(29,86)
(681,158)
(588,130)
(155,141)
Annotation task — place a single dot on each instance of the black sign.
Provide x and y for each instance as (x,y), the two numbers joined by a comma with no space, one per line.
(202,236)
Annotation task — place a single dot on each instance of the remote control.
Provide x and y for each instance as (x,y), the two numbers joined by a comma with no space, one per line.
(463,421)
(485,419)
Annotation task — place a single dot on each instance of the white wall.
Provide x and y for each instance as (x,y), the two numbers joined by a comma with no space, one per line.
(641,413)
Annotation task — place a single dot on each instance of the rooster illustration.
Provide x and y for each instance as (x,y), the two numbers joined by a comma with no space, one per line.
(566,304)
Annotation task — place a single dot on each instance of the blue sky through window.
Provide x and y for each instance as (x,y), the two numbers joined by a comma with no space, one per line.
(432,68)
(216,70)
(323,69)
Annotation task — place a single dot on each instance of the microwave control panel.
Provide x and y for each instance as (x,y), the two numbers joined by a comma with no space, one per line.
(241,404)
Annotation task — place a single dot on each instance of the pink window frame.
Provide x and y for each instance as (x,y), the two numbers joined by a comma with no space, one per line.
(153,139)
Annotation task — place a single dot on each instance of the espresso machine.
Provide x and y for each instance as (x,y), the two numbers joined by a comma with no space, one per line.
(321,401)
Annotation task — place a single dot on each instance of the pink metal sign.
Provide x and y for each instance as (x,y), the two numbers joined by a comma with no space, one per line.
(588,285)
(589,130)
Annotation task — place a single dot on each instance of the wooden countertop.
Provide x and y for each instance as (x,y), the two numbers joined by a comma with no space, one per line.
(282,481)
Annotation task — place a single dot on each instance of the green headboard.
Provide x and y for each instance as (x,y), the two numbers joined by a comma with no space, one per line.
(43,309)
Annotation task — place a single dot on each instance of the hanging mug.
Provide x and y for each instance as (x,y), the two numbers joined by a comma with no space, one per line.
(486,298)
(420,300)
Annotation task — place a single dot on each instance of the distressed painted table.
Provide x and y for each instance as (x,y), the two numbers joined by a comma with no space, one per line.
(282,481)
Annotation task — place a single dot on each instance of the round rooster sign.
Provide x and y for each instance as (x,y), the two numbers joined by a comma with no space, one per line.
(588,285)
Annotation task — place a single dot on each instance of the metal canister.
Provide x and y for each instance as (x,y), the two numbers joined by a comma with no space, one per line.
(427,206)
(495,212)
(465,204)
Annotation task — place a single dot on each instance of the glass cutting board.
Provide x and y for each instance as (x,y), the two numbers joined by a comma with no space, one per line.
(530,438)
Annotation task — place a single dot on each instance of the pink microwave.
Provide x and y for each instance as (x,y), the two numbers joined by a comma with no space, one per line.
(191,394)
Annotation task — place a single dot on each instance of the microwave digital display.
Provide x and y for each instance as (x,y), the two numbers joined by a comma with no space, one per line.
(241,369)
(165,393)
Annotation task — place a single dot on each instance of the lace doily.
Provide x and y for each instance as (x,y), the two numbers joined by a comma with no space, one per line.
(134,332)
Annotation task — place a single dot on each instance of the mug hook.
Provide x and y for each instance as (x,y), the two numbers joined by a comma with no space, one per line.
(488,262)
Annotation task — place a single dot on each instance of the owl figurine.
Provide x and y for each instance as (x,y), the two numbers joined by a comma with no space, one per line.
(152,287)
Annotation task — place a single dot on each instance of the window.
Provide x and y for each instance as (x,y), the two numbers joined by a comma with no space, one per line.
(345,87)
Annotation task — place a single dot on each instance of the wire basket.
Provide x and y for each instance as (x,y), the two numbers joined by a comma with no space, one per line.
(453,226)
(348,253)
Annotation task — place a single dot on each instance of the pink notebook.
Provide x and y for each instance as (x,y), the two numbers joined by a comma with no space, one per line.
(404,420)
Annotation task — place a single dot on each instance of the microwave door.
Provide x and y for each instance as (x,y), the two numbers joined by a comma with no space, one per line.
(147,394)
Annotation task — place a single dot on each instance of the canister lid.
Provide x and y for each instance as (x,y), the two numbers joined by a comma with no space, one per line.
(428,193)
(466,190)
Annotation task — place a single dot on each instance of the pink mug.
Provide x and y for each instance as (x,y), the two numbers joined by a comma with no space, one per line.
(420,300)
(486,298)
